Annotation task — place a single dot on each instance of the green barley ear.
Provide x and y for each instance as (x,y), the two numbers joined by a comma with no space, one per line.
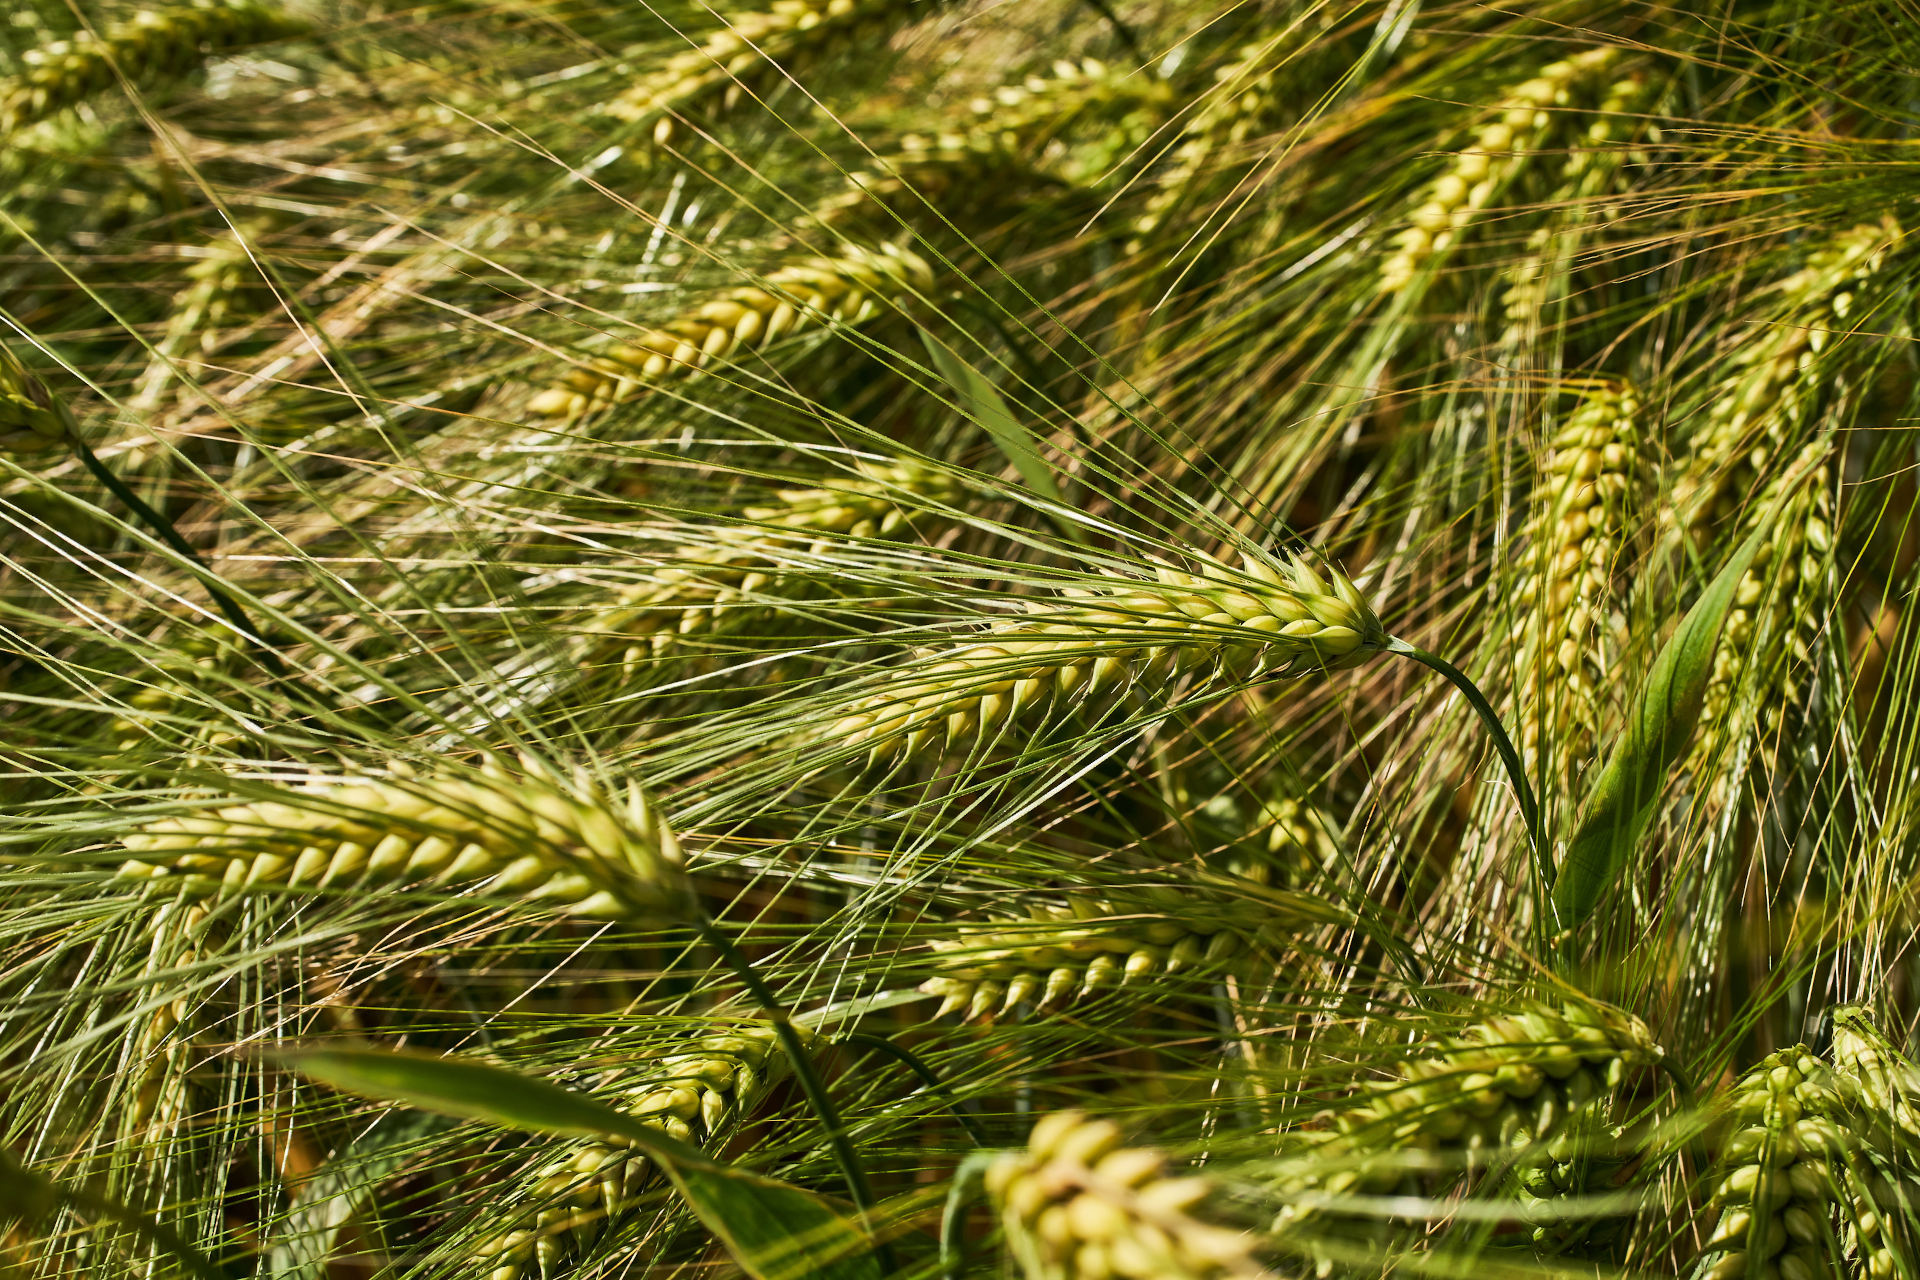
(1282,616)
(529,834)
(1508,1092)
(32,421)
(1575,537)
(150,48)
(1242,99)
(165,1042)
(1774,383)
(1523,119)
(1126,940)
(1076,1205)
(752,55)
(696,1096)
(847,290)
(1884,1214)
(1786,1149)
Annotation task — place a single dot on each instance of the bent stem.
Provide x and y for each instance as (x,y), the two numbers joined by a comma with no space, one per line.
(858,1189)
(235,616)
(1516,772)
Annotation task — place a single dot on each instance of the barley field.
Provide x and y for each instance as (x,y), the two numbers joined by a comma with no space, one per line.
(1065,639)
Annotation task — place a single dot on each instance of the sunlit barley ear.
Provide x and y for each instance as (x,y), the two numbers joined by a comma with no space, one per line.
(1132,941)
(148,48)
(698,1095)
(32,421)
(1778,377)
(848,289)
(1282,616)
(1522,122)
(1503,1093)
(160,1054)
(529,834)
(753,54)
(1569,626)
(1076,1205)
(1787,1155)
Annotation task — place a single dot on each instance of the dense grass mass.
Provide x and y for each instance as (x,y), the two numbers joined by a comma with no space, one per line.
(926,638)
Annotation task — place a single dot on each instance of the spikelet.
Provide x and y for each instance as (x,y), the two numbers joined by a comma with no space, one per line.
(1575,537)
(1774,386)
(845,290)
(753,54)
(708,584)
(159,1059)
(31,420)
(566,844)
(150,48)
(1077,1205)
(1280,618)
(1530,1091)
(1093,944)
(1787,1145)
(1883,1217)
(1243,98)
(1523,120)
(695,1096)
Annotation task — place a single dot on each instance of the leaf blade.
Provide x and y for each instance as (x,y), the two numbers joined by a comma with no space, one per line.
(774,1230)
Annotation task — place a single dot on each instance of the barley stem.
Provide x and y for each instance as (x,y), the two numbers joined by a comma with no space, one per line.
(1516,771)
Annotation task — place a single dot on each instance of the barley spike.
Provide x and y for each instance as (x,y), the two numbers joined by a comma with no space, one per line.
(529,834)
(31,420)
(1077,1205)
(149,48)
(848,290)
(1279,618)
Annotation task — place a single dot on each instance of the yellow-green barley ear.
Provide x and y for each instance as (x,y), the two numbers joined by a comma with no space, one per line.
(32,421)
(1780,376)
(1130,941)
(1076,1204)
(151,47)
(1787,1154)
(753,54)
(696,1096)
(159,1062)
(728,578)
(848,289)
(1281,616)
(1003,149)
(1502,1094)
(1884,1213)
(1522,121)
(529,834)
(1241,100)
(1570,623)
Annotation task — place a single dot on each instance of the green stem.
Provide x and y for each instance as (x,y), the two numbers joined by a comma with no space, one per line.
(235,616)
(843,1153)
(1516,772)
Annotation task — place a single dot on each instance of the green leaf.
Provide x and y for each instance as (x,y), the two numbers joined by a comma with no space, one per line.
(774,1230)
(1658,732)
(981,401)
